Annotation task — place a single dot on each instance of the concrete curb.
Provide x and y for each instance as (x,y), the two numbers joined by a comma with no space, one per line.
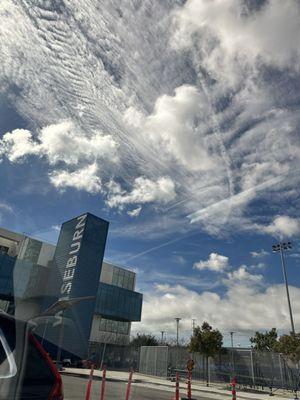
(95,377)
(241,395)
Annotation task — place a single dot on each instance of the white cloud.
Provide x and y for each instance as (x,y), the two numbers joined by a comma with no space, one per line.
(133,117)
(282,226)
(241,274)
(215,262)
(235,37)
(62,142)
(65,142)
(17,145)
(144,191)
(216,113)
(177,127)
(82,179)
(244,307)
(135,212)
(259,254)
(259,266)
(6,207)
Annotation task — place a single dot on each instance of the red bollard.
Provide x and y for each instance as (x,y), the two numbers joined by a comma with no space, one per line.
(177,387)
(128,385)
(233,391)
(103,384)
(189,388)
(89,384)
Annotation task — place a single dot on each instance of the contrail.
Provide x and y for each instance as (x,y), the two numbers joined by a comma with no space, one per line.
(194,217)
(162,245)
(238,198)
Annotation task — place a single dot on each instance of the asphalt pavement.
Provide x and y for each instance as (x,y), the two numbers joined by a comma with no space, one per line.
(150,387)
(75,388)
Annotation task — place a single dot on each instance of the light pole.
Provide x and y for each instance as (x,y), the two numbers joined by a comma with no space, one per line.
(193,325)
(232,358)
(281,247)
(177,329)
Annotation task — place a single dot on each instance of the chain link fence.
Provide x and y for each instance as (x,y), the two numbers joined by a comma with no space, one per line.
(114,356)
(251,368)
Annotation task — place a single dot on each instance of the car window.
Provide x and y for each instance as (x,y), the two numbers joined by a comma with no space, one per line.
(38,378)
(8,367)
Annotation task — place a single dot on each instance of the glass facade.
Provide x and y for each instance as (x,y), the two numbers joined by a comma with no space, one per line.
(78,258)
(7,264)
(4,249)
(117,303)
(30,250)
(34,275)
(110,325)
(123,278)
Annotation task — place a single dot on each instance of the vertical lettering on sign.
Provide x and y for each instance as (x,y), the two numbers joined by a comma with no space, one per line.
(71,263)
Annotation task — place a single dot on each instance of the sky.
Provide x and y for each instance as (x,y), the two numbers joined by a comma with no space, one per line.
(176,121)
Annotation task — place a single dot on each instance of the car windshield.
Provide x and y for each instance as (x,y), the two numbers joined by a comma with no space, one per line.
(149,201)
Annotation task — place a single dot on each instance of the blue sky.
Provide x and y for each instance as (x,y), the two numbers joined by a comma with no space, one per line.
(176,121)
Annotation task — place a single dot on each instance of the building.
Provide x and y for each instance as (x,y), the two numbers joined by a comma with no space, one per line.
(78,299)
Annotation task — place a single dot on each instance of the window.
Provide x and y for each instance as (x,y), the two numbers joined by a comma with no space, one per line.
(110,325)
(4,250)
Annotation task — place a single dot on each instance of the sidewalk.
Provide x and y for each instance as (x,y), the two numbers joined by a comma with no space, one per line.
(164,384)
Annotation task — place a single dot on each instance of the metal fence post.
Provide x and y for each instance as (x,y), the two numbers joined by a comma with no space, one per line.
(167,358)
(208,367)
(155,361)
(280,369)
(252,367)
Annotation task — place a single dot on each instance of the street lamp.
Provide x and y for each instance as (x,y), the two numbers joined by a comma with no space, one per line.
(231,338)
(280,247)
(177,328)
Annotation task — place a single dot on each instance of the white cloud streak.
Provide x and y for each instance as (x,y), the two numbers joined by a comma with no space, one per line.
(259,254)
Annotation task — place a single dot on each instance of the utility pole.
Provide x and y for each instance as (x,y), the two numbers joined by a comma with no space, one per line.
(193,324)
(162,336)
(177,330)
(281,247)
